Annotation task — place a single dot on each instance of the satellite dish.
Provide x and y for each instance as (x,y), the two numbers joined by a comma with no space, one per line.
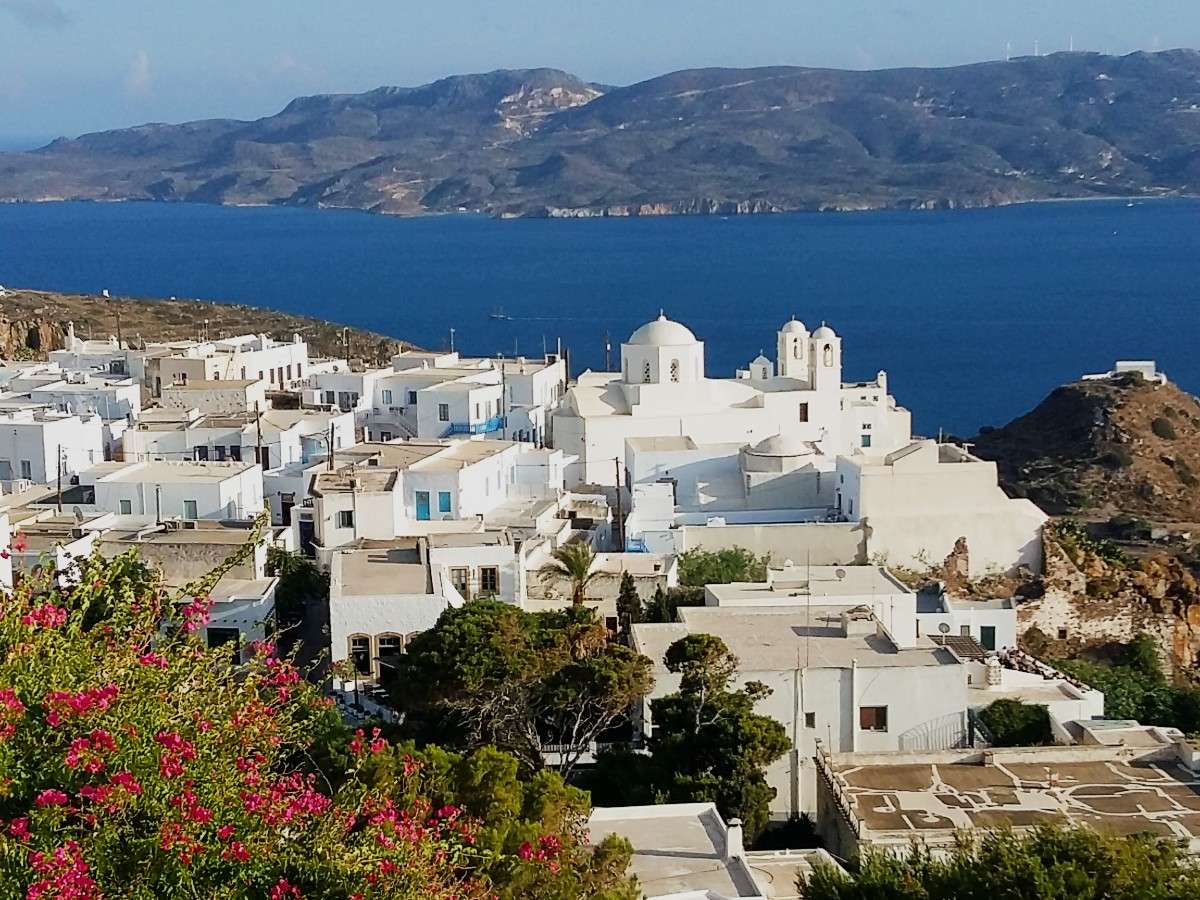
(944,628)
(840,573)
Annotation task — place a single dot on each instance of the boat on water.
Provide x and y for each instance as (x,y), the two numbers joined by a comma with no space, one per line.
(498,314)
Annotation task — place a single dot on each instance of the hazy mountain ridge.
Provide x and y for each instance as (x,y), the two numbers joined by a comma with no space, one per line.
(544,142)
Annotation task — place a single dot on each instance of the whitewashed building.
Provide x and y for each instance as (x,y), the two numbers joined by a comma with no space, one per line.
(836,674)
(662,391)
(35,445)
(186,490)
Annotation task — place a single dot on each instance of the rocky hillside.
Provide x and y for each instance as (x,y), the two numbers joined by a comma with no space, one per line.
(543,142)
(33,322)
(1098,448)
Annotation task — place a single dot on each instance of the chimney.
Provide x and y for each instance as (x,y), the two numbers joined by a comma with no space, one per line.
(733,840)
(993,672)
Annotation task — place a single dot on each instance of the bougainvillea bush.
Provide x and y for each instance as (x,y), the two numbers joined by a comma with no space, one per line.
(136,763)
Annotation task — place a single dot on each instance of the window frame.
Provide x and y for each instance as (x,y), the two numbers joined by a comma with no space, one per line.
(878,716)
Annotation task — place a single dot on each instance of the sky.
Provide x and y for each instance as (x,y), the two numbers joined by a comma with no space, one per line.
(73,66)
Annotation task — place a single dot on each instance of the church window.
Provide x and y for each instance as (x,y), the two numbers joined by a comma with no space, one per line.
(803,412)
(646,371)
(674,370)
(828,355)
(795,349)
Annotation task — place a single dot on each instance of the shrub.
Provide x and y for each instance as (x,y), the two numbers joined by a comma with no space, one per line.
(1163,428)
(1016,724)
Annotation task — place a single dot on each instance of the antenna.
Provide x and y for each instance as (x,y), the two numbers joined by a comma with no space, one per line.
(1008,51)
(1071,44)
(1036,48)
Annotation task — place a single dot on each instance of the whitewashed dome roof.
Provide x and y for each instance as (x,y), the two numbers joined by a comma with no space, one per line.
(824,332)
(662,332)
(782,445)
(794,326)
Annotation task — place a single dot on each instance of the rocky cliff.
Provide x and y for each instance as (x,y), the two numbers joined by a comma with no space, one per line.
(542,142)
(1100,448)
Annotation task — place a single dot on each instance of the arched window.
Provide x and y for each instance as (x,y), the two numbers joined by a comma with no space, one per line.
(674,370)
(390,645)
(646,371)
(829,354)
(360,653)
(795,349)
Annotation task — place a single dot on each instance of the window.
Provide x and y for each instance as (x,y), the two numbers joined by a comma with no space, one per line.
(289,372)
(26,469)
(201,453)
(412,398)
(803,412)
(443,412)
(795,349)
(220,637)
(189,509)
(126,507)
(385,436)
(1062,634)
(872,718)
(489,580)
(964,630)
(646,371)
(866,440)
(220,448)
(387,398)
(444,501)
(330,396)
(235,452)
(461,579)
(360,653)
(828,355)
(299,369)
(243,373)
(345,518)
(675,370)
(390,646)
(216,376)
(477,412)
(810,720)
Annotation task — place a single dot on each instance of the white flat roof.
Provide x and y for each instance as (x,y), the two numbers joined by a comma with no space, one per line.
(171,472)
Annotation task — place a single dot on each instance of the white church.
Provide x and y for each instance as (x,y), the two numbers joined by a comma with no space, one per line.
(785,460)
(662,391)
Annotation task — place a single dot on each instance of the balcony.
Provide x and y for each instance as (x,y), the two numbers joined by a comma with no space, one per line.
(495,423)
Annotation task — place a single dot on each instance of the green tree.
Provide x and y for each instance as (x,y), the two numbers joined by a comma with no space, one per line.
(630,610)
(518,820)
(496,674)
(664,605)
(708,743)
(572,563)
(1044,864)
(698,568)
(300,600)
(1016,724)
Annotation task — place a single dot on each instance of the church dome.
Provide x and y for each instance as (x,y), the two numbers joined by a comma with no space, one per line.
(795,326)
(662,332)
(824,332)
(782,445)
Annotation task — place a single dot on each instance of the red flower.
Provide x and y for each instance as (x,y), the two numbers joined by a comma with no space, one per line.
(283,889)
(51,797)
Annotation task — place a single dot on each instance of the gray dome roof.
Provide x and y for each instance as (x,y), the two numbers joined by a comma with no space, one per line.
(782,445)
(662,332)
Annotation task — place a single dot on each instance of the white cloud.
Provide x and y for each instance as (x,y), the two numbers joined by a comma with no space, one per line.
(37,13)
(140,77)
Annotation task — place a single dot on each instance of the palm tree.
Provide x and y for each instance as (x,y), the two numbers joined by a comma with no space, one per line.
(572,562)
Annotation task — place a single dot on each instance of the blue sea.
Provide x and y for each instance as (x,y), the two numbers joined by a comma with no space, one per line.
(975,314)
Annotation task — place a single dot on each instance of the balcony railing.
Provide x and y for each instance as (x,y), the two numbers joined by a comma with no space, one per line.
(495,423)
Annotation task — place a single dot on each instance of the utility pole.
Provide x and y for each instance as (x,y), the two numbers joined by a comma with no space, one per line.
(620,511)
(451,340)
(258,453)
(330,445)
(346,344)
(60,468)
(607,352)
(117,310)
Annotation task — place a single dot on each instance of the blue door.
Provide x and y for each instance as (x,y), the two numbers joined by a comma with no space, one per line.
(422,506)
